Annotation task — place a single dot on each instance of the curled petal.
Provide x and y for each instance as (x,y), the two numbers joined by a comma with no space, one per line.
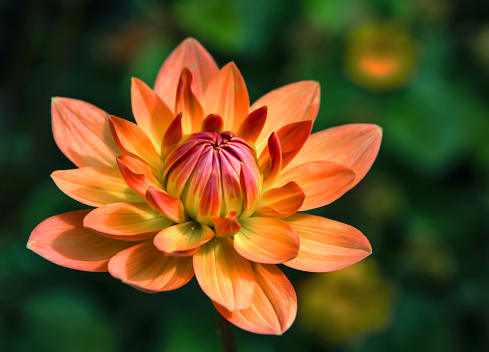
(226,226)
(249,188)
(137,174)
(213,123)
(224,276)
(146,268)
(272,168)
(126,221)
(323,182)
(355,146)
(291,103)
(281,202)
(132,141)
(63,240)
(183,239)
(274,305)
(173,135)
(227,96)
(266,240)
(94,186)
(252,126)
(188,104)
(326,245)
(192,55)
(81,131)
(150,112)
(171,207)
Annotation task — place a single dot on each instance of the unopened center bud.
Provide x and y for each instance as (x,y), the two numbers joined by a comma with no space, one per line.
(213,174)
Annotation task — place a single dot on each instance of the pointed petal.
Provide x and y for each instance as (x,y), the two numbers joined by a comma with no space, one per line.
(323,182)
(188,104)
(249,188)
(171,207)
(266,240)
(273,166)
(274,305)
(137,174)
(126,221)
(326,245)
(192,55)
(227,96)
(132,141)
(355,146)
(226,226)
(150,112)
(173,135)
(182,239)
(63,240)
(81,131)
(212,123)
(224,275)
(94,186)
(252,126)
(281,202)
(292,137)
(145,267)
(291,103)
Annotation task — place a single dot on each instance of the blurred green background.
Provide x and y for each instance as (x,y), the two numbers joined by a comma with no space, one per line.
(418,68)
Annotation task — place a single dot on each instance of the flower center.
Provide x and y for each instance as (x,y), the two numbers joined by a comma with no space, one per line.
(213,174)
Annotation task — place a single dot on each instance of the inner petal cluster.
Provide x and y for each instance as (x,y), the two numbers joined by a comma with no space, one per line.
(213,174)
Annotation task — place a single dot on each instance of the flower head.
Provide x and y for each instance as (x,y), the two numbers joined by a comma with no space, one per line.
(206,185)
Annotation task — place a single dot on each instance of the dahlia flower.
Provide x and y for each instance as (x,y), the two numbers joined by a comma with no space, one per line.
(206,185)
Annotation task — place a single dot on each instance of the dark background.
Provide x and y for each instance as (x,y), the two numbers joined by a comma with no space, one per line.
(424,205)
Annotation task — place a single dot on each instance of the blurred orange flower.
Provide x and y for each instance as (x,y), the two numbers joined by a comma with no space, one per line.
(206,185)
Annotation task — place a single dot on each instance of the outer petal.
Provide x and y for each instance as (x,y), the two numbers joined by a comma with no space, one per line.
(182,239)
(326,245)
(63,240)
(188,104)
(94,186)
(266,240)
(227,96)
(171,207)
(282,201)
(291,103)
(126,221)
(274,305)
(224,275)
(323,182)
(81,131)
(132,141)
(146,268)
(192,55)
(355,146)
(137,174)
(226,226)
(151,114)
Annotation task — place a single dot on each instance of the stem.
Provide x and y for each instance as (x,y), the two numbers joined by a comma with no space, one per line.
(225,332)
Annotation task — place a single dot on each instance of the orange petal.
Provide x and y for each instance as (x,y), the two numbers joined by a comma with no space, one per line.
(173,135)
(212,123)
(224,275)
(226,226)
(94,186)
(171,207)
(150,112)
(181,239)
(355,146)
(143,266)
(291,103)
(132,141)
(63,240)
(266,240)
(126,221)
(292,137)
(273,165)
(137,174)
(192,55)
(188,104)
(326,245)
(274,305)
(323,182)
(82,132)
(227,96)
(252,126)
(281,202)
